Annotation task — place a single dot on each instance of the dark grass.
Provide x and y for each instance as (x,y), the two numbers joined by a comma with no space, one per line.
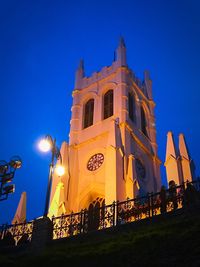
(173,241)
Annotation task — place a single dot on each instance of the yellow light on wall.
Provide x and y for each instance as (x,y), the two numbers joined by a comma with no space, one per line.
(44,145)
(60,170)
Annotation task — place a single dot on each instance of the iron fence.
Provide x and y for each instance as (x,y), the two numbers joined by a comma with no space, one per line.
(130,210)
(67,225)
(106,216)
(84,221)
(16,233)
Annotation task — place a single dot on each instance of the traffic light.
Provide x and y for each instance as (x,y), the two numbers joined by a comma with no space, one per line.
(3,167)
(6,188)
(7,178)
(9,189)
(7,172)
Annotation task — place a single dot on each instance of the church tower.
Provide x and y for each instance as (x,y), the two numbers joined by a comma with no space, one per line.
(112,151)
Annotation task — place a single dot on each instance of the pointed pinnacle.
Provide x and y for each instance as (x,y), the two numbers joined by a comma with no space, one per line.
(122,42)
(183,147)
(171,148)
(81,64)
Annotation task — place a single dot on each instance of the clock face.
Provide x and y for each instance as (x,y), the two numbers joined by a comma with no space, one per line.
(95,162)
(140,169)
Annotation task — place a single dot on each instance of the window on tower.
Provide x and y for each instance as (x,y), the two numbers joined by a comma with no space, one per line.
(131,106)
(143,122)
(88,113)
(108,104)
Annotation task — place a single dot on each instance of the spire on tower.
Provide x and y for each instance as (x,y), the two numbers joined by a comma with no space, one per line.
(121,53)
(58,204)
(20,215)
(172,163)
(59,189)
(79,74)
(171,149)
(183,147)
(81,65)
(121,41)
(148,83)
(187,164)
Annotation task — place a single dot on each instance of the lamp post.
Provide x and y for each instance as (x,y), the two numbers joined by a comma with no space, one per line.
(7,172)
(49,144)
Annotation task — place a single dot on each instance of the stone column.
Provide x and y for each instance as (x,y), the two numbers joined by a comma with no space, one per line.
(42,233)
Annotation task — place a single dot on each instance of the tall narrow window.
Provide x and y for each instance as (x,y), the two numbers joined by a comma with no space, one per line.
(89,113)
(143,122)
(131,106)
(108,104)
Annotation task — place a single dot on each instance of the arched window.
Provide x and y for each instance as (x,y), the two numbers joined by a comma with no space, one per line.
(143,122)
(89,113)
(131,106)
(108,104)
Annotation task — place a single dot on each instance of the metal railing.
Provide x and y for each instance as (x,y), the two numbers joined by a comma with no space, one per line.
(84,221)
(130,210)
(16,233)
(106,216)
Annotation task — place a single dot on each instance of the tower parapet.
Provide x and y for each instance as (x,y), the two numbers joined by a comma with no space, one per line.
(82,81)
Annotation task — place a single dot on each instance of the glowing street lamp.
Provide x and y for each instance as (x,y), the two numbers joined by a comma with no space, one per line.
(45,145)
(60,170)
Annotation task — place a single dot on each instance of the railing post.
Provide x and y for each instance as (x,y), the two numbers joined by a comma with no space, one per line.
(198,184)
(3,229)
(81,222)
(149,204)
(84,221)
(114,213)
(70,225)
(42,233)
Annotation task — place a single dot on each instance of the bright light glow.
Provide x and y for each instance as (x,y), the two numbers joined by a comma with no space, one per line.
(44,145)
(60,170)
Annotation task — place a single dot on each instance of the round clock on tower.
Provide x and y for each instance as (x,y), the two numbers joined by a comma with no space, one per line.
(95,162)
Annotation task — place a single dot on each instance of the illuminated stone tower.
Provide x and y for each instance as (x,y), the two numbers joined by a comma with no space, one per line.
(112,151)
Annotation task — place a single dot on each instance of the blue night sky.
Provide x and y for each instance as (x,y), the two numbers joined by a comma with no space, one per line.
(41,43)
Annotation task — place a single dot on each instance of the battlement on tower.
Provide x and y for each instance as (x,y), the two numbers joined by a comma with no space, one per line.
(106,71)
(99,75)
(119,64)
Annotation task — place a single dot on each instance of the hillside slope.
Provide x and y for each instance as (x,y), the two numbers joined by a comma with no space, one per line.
(172,240)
